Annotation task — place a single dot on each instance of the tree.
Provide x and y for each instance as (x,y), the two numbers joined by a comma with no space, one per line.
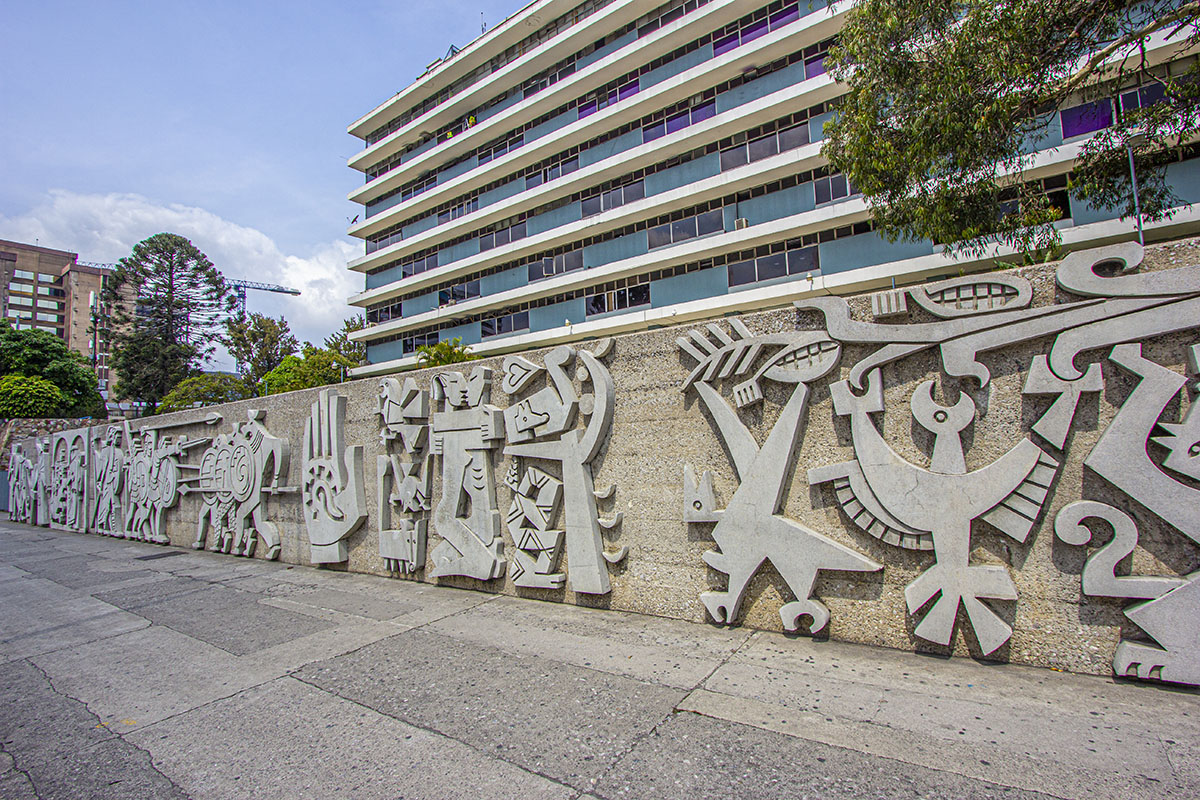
(206,389)
(340,342)
(169,306)
(41,354)
(259,343)
(23,397)
(451,351)
(317,367)
(947,98)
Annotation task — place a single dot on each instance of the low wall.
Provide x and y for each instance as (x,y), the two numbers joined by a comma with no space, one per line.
(921,469)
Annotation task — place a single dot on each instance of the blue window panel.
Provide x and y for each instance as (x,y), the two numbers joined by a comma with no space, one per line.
(612,147)
(469,332)
(867,249)
(1050,136)
(384,277)
(551,125)
(760,88)
(511,100)
(611,47)
(1184,178)
(552,219)
(376,206)
(502,192)
(816,126)
(692,171)
(689,286)
(783,203)
(419,225)
(411,154)
(419,304)
(457,252)
(672,68)
(454,170)
(1084,213)
(547,317)
(378,353)
(503,281)
(595,255)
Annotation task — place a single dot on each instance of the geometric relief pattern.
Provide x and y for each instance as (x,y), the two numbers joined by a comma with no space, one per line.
(334,492)
(404,478)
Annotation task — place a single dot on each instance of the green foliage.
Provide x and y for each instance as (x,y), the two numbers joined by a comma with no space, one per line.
(41,354)
(259,343)
(947,97)
(353,352)
(316,367)
(451,351)
(23,397)
(169,307)
(206,389)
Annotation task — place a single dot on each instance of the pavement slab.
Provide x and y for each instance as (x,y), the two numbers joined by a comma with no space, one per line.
(566,722)
(291,741)
(62,618)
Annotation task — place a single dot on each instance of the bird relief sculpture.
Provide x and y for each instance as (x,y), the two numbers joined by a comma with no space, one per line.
(752,529)
(403,479)
(541,425)
(335,498)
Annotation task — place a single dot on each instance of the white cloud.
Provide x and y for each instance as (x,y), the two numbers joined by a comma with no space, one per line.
(105,227)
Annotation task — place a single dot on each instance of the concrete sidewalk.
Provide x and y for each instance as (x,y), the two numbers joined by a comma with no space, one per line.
(129,670)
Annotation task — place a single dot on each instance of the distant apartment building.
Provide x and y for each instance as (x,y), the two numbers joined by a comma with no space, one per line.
(50,290)
(589,168)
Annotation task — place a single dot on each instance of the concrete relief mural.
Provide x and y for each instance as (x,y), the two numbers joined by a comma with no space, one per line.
(866,444)
(403,479)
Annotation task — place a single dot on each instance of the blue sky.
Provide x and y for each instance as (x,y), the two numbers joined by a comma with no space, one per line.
(221,121)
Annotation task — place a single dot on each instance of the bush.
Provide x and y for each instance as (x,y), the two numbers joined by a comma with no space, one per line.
(23,397)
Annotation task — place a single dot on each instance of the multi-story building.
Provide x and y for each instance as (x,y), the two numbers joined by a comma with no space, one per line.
(50,290)
(595,167)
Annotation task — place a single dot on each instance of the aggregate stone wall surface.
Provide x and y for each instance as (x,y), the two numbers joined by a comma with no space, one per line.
(659,431)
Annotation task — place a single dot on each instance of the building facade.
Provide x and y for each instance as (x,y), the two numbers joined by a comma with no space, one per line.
(47,289)
(600,167)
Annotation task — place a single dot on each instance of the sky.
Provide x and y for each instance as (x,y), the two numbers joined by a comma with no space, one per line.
(224,122)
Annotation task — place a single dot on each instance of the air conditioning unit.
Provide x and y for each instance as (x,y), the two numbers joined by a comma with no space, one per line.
(740,223)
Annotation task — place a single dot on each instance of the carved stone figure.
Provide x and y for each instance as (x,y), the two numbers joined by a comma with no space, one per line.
(108,470)
(153,475)
(404,482)
(68,484)
(22,486)
(237,473)
(465,432)
(750,529)
(542,426)
(335,496)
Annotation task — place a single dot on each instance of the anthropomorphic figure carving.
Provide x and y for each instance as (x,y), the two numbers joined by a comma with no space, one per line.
(108,473)
(335,497)
(154,475)
(404,479)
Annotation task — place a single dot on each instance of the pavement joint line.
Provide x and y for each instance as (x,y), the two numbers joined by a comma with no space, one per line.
(17,769)
(436,732)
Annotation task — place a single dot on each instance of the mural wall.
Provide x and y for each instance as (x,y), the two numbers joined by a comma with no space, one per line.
(1004,465)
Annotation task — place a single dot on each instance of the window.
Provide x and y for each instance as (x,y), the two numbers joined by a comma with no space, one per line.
(409,344)
(47,317)
(418,265)
(502,236)
(506,323)
(383,241)
(555,265)
(51,304)
(786,260)
(832,187)
(17,300)
(21,273)
(454,212)
(500,148)
(617,299)
(1143,97)
(564,167)
(613,198)
(679,120)
(687,228)
(44,278)
(458,293)
(1086,118)
(764,146)
(748,29)
(604,98)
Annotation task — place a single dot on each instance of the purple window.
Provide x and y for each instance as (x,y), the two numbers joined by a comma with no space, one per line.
(704,111)
(628,90)
(754,30)
(1086,118)
(814,66)
(725,44)
(789,14)
(587,108)
(652,132)
(677,122)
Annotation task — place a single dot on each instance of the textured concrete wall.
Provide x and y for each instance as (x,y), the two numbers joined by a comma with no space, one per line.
(658,431)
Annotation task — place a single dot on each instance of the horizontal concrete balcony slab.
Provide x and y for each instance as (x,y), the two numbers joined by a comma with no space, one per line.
(811,92)
(914,270)
(815,27)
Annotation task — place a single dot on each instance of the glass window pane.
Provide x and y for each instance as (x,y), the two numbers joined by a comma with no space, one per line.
(518,231)
(764,147)
(683,229)
(471,289)
(487,241)
(570,165)
(838,187)
(595,304)
(822,189)
(628,90)
(1086,118)
(754,30)
(574,260)
(590,206)
(711,221)
(734,157)
(1130,101)
(487,327)
(814,66)
(639,295)
(1152,93)
(533,179)
(635,191)
(704,111)
(587,109)
(504,324)
(501,236)
(792,138)
(677,122)
(652,132)
(725,44)
(742,273)
(520,320)
(536,271)
(620,299)
(789,14)
(800,261)
(772,266)
(659,237)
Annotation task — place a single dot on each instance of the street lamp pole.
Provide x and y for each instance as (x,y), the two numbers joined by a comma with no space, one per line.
(1137,206)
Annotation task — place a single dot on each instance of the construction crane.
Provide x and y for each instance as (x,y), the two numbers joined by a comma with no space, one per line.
(240,287)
